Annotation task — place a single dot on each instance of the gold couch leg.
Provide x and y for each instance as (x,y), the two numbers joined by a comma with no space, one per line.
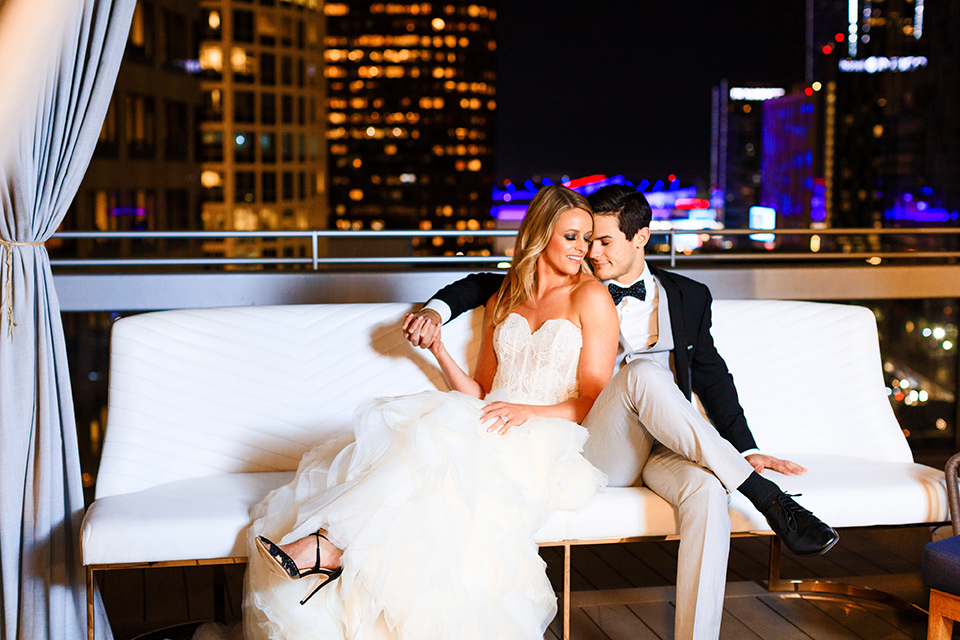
(91,621)
(566,591)
(778,584)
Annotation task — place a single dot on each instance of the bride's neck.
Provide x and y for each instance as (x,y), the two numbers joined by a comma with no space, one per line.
(549,279)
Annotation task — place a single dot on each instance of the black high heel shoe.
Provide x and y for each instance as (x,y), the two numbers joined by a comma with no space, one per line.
(283,565)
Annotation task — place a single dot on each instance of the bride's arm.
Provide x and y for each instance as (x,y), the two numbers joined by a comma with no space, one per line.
(456,377)
(600,329)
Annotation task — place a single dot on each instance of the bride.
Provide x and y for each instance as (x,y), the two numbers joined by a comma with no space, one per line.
(422,528)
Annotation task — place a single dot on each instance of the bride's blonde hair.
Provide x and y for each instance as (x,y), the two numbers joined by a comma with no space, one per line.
(533,237)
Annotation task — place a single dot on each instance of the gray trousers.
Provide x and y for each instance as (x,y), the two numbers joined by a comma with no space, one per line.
(643,429)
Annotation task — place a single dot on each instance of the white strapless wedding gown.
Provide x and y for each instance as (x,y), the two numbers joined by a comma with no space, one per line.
(434,514)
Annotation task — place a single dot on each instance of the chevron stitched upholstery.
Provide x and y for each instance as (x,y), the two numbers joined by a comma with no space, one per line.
(211,409)
(208,391)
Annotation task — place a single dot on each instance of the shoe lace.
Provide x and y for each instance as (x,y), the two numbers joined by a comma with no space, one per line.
(790,508)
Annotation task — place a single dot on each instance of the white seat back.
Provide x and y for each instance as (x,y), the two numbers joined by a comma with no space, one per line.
(206,391)
(809,377)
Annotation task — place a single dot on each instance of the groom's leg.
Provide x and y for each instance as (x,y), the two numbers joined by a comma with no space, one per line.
(643,403)
(703,505)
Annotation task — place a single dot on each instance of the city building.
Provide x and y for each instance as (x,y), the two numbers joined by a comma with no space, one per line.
(145,172)
(888,156)
(411,113)
(261,138)
(791,163)
(735,148)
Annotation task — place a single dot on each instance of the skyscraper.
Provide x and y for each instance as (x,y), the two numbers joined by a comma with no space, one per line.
(886,70)
(411,111)
(145,171)
(262,132)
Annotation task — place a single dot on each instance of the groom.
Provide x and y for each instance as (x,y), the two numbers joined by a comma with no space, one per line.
(643,426)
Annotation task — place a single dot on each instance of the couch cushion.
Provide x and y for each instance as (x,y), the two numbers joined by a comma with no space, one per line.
(206,517)
(183,520)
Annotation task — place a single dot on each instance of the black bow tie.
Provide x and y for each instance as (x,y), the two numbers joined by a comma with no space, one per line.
(637,290)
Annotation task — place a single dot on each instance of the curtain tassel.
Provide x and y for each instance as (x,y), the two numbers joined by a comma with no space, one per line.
(8,280)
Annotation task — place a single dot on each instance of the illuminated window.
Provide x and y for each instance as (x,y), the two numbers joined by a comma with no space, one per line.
(212,106)
(337,9)
(211,58)
(356,194)
(141,31)
(243,147)
(211,147)
(268,147)
(140,126)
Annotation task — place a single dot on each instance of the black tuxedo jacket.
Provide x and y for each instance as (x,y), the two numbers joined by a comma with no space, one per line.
(700,369)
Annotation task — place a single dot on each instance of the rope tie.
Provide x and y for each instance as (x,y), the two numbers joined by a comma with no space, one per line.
(8,280)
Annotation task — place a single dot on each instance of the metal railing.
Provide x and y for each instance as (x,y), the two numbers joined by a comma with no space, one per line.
(674,254)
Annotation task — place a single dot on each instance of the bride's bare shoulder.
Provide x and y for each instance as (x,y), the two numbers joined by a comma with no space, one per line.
(590,290)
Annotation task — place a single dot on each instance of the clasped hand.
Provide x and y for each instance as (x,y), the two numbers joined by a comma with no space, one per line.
(422,329)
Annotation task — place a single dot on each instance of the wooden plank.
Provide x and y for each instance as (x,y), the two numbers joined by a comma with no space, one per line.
(601,573)
(583,628)
(854,617)
(554,629)
(746,561)
(620,623)
(659,559)
(599,597)
(732,629)
(166,604)
(808,618)
(762,620)
(892,550)
(640,570)
(553,556)
(658,616)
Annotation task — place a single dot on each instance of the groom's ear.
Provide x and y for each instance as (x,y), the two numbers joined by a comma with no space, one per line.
(642,238)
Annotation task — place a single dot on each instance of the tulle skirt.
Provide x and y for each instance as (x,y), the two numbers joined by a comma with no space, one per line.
(435,517)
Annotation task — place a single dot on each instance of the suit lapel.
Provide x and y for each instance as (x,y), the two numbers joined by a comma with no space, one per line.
(681,360)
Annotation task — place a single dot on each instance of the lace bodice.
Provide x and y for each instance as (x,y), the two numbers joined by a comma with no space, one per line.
(539,367)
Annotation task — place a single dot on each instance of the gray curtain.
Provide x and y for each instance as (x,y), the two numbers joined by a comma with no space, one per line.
(42,582)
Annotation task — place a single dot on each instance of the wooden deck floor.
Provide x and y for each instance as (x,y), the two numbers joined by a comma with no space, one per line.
(620,592)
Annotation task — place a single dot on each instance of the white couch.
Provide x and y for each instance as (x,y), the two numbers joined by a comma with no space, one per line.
(210,409)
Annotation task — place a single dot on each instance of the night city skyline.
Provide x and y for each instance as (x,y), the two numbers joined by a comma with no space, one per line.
(625,87)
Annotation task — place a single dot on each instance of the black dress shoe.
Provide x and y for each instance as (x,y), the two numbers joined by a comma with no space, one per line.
(803,533)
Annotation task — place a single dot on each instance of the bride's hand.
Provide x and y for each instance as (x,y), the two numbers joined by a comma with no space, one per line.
(422,328)
(505,415)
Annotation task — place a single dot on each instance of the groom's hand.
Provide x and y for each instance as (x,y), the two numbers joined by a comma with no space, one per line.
(759,462)
(422,328)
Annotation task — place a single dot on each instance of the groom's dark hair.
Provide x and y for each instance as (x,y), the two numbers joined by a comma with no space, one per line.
(628,204)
